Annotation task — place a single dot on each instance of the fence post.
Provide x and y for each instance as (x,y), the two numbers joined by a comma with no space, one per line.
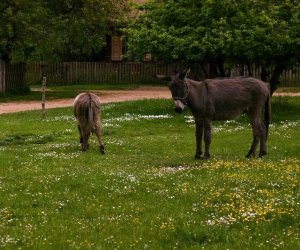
(43,96)
(2,76)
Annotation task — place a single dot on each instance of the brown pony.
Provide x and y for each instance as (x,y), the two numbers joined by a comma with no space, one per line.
(223,99)
(87,113)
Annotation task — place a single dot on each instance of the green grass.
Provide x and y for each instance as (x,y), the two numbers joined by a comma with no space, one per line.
(148,191)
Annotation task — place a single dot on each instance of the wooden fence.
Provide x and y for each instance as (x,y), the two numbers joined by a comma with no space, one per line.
(126,73)
(2,76)
(289,78)
(16,76)
(98,72)
(12,77)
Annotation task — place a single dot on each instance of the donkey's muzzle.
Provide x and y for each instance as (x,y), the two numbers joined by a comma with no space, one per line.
(178,109)
(179,106)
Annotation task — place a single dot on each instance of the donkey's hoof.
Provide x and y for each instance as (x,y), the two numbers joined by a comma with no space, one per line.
(206,155)
(261,154)
(250,155)
(200,157)
(102,150)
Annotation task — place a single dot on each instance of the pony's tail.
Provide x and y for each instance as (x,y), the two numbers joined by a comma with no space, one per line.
(267,115)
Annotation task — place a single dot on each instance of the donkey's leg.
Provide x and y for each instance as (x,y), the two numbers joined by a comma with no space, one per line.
(85,136)
(207,137)
(263,147)
(256,131)
(199,134)
(99,136)
(80,134)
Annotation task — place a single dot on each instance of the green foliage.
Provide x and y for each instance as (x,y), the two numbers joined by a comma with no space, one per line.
(147,191)
(227,32)
(22,26)
(37,30)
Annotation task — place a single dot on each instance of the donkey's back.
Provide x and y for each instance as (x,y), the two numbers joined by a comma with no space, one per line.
(227,98)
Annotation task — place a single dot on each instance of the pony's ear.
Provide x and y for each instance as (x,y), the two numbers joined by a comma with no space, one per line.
(185,73)
(163,77)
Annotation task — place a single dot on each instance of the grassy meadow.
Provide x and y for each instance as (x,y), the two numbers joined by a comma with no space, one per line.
(147,191)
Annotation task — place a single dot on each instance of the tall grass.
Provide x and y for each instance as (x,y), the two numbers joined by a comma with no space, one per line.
(148,191)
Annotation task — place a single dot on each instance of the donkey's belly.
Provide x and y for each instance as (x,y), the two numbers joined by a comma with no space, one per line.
(228,114)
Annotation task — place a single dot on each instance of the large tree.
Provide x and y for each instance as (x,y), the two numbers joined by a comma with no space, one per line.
(220,33)
(21,26)
(35,30)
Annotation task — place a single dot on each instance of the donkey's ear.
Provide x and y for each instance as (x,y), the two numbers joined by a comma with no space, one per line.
(185,73)
(163,77)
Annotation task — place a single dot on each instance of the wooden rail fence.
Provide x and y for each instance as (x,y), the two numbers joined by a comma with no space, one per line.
(16,76)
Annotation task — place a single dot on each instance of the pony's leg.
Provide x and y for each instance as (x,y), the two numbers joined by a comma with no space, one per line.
(99,136)
(207,137)
(199,134)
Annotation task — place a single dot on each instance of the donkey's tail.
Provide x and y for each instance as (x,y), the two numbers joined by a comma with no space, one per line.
(267,114)
(90,112)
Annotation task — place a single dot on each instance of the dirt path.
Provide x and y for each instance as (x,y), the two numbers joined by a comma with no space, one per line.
(106,96)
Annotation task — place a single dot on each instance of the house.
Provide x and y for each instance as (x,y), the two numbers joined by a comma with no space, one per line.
(115,48)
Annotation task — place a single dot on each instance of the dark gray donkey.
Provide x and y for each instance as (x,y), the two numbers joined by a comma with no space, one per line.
(87,113)
(223,99)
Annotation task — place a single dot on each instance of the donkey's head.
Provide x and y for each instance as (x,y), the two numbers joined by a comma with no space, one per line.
(178,88)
